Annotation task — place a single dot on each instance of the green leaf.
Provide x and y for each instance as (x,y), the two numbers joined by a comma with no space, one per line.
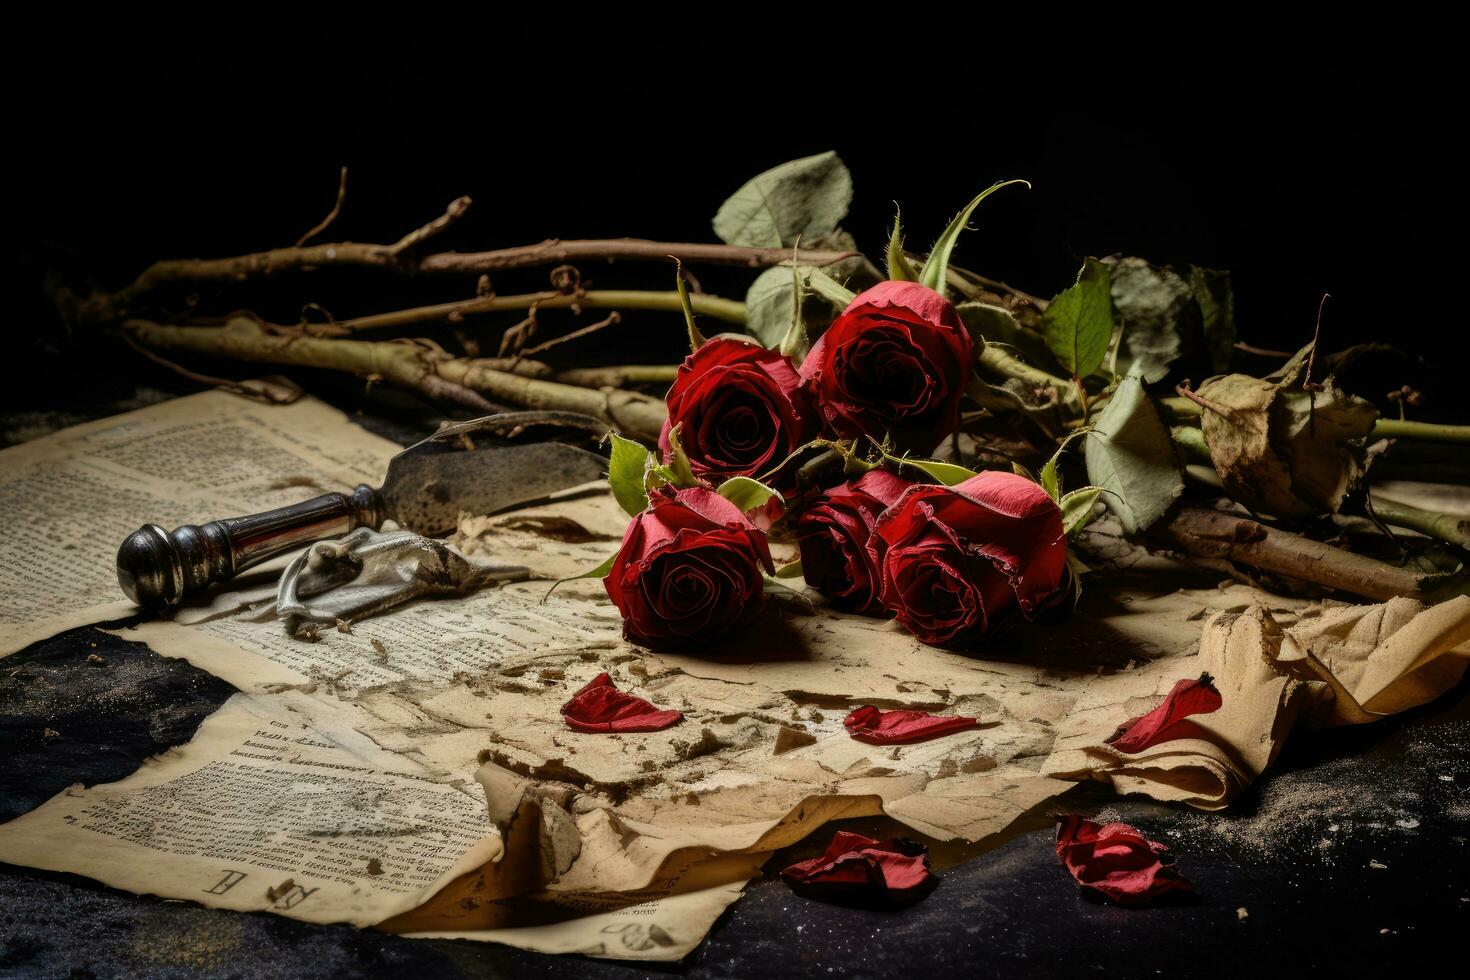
(1216,298)
(1130,454)
(948,474)
(792,569)
(1077,508)
(747,494)
(601,571)
(1021,470)
(625,474)
(1051,480)
(805,198)
(1161,320)
(1078,324)
(696,339)
(938,263)
(770,306)
(899,267)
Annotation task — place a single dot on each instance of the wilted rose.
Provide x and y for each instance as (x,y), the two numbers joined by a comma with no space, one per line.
(689,569)
(743,409)
(953,562)
(895,363)
(833,533)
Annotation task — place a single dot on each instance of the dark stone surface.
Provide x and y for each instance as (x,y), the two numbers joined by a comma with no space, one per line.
(1298,852)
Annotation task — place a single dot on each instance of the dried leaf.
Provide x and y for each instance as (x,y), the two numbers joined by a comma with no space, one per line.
(1281,449)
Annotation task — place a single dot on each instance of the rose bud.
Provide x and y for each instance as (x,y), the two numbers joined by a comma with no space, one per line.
(833,534)
(955,561)
(895,363)
(743,408)
(689,569)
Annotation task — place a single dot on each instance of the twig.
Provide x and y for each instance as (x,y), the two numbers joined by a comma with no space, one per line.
(101,308)
(275,392)
(326,222)
(418,236)
(611,319)
(728,310)
(1221,535)
(408,365)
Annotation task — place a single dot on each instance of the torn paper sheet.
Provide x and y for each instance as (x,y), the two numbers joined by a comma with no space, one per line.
(67,500)
(1343,665)
(278,805)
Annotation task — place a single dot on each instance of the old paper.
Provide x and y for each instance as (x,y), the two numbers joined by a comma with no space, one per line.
(413,772)
(276,805)
(1341,665)
(67,500)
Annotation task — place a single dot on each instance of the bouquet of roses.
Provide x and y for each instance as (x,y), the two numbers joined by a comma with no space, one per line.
(817,441)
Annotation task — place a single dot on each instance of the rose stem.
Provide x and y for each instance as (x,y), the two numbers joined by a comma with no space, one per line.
(1207,533)
(465,381)
(1445,527)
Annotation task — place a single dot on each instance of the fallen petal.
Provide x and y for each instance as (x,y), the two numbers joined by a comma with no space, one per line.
(1117,861)
(1166,722)
(601,707)
(857,868)
(877,727)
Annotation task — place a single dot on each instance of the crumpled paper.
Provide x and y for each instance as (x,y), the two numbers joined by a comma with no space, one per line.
(1346,665)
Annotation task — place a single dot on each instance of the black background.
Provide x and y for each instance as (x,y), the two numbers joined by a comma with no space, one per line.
(1306,157)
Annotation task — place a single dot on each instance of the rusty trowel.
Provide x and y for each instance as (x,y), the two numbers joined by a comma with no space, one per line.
(478,467)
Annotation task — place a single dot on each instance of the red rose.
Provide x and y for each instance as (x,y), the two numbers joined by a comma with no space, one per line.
(894,363)
(1116,860)
(743,407)
(954,561)
(833,533)
(689,569)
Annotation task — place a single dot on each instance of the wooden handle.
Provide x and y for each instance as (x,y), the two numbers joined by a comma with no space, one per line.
(158,568)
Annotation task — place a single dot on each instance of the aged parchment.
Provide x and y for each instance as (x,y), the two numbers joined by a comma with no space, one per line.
(67,500)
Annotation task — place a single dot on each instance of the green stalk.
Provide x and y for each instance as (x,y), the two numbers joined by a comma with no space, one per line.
(1446,527)
(1183,408)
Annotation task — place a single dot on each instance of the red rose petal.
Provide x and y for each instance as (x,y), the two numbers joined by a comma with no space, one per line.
(877,727)
(601,707)
(1116,861)
(1166,722)
(858,867)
